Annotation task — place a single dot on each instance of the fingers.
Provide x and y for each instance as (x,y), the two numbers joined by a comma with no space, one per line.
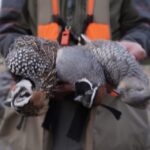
(43,110)
(63,88)
(60,92)
(134,48)
(38,98)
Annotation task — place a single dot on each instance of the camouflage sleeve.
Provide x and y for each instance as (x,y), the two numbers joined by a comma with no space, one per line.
(14,21)
(136,22)
(141,35)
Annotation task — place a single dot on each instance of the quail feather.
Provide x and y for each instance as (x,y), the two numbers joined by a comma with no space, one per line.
(43,62)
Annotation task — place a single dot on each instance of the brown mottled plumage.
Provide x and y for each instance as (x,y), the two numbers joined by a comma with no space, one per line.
(34,58)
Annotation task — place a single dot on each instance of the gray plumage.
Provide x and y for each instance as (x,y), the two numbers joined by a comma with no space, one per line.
(116,62)
(77,62)
(99,62)
(104,61)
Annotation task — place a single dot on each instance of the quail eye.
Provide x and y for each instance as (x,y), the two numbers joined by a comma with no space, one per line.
(24,94)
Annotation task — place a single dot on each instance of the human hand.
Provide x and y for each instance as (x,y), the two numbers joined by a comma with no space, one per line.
(61,91)
(135,49)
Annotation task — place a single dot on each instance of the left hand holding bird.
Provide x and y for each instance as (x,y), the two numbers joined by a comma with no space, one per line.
(135,49)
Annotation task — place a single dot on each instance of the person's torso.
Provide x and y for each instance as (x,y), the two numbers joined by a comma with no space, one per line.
(74,12)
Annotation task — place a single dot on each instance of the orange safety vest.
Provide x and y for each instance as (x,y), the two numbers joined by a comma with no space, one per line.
(93,30)
(51,30)
(96,30)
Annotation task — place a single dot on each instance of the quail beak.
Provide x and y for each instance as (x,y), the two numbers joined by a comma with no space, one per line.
(7,103)
(115,92)
(20,94)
